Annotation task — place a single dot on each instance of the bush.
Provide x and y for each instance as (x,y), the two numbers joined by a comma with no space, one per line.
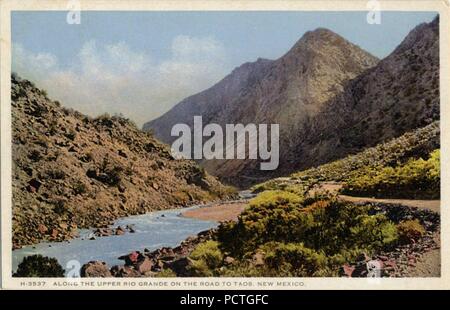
(274,198)
(332,226)
(110,174)
(56,174)
(410,230)
(166,273)
(71,134)
(295,258)
(205,258)
(417,178)
(39,266)
(79,188)
(415,144)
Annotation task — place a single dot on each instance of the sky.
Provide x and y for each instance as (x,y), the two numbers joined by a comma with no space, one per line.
(141,64)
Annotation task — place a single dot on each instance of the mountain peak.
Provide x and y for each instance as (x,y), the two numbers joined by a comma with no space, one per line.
(323,42)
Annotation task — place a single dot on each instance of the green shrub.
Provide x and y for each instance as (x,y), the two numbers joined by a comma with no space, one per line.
(415,144)
(417,178)
(332,226)
(295,258)
(273,198)
(410,230)
(166,273)
(39,266)
(205,258)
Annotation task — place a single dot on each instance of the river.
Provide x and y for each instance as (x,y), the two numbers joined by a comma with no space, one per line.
(152,231)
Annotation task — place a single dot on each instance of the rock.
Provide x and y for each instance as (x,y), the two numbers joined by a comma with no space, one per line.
(179,266)
(33,185)
(42,228)
(390,264)
(360,270)
(54,233)
(363,257)
(258,259)
(103,232)
(348,270)
(130,228)
(119,231)
(95,269)
(124,272)
(144,265)
(228,260)
(122,153)
(131,258)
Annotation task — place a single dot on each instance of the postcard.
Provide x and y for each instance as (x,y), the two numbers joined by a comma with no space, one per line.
(170,145)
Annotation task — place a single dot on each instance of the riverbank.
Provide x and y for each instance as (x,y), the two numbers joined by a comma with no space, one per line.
(219,212)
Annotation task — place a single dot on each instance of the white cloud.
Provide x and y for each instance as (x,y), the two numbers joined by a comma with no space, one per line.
(117,79)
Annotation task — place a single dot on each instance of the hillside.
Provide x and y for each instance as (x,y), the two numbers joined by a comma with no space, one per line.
(398,95)
(396,152)
(71,171)
(287,91)
(330,98)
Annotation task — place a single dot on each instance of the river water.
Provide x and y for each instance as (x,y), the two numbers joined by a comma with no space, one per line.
(153,230)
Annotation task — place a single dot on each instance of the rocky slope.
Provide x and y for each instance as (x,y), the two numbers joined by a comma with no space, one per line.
(71,171)
(329,97)
(398,95)
(287,91)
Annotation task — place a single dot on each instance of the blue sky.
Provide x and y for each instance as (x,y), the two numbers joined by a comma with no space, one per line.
(142,63)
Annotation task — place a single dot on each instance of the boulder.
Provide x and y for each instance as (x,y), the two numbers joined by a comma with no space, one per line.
(119,231)
(124,272)
(33,185)
(95,269)
(144,265)
(258,259)
(42,228)
(103,232)
(132,258)
(348,270)
(180,266)
(228,260)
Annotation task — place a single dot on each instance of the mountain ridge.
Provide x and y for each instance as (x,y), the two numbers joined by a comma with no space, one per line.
(71,171)
(285,91)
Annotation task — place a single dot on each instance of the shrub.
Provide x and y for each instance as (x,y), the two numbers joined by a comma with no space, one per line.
(79,188)
(166,273)
(35,155)
(71,134)
(331,226)
(295,258)
(39,266)
(274,198)
(109,173)
(205,258)
(415,144)
(417,178)
(56,174)
(410,230)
